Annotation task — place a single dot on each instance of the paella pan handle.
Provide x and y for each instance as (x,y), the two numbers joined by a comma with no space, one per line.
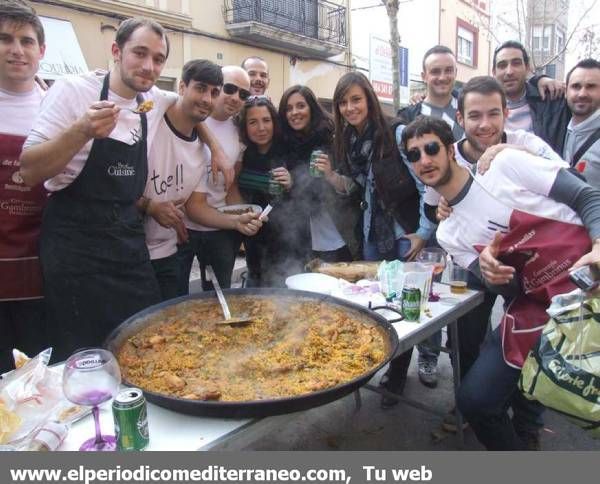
(389,307)
(222,301)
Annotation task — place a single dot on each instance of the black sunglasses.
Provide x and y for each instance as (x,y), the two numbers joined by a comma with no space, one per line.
(229,89)
(431,149)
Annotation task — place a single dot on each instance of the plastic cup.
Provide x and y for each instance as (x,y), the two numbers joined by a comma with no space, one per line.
(458,280)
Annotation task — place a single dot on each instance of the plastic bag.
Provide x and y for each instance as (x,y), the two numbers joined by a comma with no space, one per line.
(562,371)
(33,393)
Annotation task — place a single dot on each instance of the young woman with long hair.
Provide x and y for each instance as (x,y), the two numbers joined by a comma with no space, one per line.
(264,179)
(384,195)
(388,211)
(307,127)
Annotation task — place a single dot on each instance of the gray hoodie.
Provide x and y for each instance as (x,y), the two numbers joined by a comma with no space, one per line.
(575,137)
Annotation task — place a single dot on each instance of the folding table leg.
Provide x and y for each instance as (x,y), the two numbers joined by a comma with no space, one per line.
(357,399)
(454,352)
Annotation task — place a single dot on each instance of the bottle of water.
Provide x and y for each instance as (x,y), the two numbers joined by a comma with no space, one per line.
(49,437)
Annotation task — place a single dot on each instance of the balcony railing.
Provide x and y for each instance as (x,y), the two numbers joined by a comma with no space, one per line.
(317,20)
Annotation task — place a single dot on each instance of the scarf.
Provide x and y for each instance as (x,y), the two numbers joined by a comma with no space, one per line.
(360,159)
(254,179)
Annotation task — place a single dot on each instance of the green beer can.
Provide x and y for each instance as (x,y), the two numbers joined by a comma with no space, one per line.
(312,168)
(131,420)
(411,303)
(275,188)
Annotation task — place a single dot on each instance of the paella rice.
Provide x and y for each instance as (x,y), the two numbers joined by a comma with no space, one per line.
(292,347)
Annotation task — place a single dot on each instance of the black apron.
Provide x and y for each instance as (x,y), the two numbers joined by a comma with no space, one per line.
(95,262)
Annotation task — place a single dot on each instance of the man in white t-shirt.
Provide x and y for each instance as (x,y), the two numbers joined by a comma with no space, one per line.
(89,146)
(178,166)
(441,101)
(482,113)
(212,239)
(22,320)
(484,123)
(530,200)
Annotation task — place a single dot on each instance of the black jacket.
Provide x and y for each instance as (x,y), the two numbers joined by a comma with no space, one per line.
(309,195)
(550,117)
(409,113)
(397,190)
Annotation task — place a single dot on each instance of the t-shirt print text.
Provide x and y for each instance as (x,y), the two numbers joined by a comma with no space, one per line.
(162,183)
(121,169)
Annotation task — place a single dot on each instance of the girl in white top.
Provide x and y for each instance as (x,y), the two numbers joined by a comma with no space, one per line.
(307,127)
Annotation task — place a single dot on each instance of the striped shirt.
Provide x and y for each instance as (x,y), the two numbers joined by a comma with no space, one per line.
(519,115)
(447,113)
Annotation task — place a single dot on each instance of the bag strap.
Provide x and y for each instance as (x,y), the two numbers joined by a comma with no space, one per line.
(595,136)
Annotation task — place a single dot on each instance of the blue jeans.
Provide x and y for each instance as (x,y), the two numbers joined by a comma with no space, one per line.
(370,252)
(396,373)
(472,328)
(487,392)
(429,350)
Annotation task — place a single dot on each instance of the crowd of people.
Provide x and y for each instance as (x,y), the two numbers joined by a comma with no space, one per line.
(104,207)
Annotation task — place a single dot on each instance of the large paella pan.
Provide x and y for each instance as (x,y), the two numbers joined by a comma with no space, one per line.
(301,350)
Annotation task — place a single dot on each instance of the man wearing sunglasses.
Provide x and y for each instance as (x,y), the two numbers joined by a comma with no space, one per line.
(213,238)
(482,112)
(441,101)
(528,199)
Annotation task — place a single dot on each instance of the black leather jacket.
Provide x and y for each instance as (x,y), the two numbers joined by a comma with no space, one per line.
(550,117)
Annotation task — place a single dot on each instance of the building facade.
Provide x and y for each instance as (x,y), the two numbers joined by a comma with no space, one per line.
(303,41)
(541,26)
(464,27)
(370,24)
(461,25)
(547,31)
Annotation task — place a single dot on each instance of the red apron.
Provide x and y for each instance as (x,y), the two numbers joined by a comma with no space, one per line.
(20,219)
(541,250)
